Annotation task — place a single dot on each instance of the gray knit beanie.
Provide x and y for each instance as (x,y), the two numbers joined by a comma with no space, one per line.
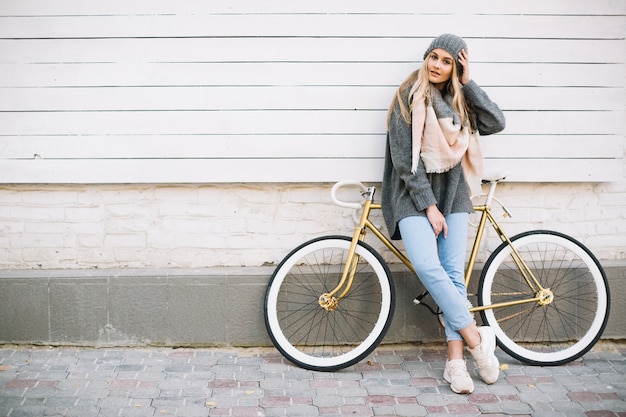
(451,44)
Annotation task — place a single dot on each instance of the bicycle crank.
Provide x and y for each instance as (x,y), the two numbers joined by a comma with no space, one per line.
(545,297)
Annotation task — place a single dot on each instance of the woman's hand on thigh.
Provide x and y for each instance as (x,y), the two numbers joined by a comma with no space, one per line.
(437,221)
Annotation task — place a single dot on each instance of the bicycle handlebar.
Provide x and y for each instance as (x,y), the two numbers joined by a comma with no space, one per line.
(347,204)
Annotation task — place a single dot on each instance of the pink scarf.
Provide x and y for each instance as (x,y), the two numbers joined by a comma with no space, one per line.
(442,142)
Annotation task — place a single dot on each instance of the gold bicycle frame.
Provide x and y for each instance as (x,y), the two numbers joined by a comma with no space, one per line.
(330,300)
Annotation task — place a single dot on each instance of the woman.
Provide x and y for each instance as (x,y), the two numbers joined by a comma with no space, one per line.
(432,164)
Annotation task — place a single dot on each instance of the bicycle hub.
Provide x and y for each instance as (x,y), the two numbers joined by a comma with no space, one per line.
(328,302)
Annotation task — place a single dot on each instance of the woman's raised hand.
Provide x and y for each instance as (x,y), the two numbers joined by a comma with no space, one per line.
(464,61)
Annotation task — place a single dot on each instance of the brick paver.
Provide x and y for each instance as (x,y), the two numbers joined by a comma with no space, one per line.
(394,381)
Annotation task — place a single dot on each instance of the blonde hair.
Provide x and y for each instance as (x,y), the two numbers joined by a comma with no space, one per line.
(420,89)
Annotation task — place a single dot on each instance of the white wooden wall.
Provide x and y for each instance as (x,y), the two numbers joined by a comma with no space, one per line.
(191,91)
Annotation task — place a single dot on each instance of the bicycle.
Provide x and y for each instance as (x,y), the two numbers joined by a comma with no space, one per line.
(331,300)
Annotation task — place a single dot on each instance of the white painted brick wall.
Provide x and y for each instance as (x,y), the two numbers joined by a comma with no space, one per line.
(195,226)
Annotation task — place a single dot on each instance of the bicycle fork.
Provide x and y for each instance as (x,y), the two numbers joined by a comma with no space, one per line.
(329,301)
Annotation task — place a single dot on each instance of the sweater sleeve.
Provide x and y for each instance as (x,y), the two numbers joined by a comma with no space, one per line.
(400,148)
(489,117)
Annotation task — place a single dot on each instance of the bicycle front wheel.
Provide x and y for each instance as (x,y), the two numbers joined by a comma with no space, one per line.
(556,330)
(327,340)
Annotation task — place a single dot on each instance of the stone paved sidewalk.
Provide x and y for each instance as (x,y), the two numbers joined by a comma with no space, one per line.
(394,381)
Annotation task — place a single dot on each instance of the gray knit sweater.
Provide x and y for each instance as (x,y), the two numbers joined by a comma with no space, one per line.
(405,194)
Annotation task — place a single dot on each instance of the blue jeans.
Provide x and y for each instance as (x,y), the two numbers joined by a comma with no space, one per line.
(440,265)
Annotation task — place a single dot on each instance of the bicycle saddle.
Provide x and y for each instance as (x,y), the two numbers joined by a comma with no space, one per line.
(495,176)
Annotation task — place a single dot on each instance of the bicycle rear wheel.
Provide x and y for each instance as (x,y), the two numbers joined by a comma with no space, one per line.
(561,330)
(321,340)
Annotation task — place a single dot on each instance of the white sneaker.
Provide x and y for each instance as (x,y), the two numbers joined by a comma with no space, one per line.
(488,365)
(456,374)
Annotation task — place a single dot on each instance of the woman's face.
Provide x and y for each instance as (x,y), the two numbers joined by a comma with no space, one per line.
(439,67)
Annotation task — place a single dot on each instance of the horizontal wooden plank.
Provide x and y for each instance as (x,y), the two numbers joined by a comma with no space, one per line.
(196,98)
(258,49)
(286,146)
(187,170)
(311,25)
(249,122)
(124,7)
(284,97)
(287,122)
(298,73)
(564,123)
(277,170)
(552,146)
(557,98)
(167,147)
(558,170)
